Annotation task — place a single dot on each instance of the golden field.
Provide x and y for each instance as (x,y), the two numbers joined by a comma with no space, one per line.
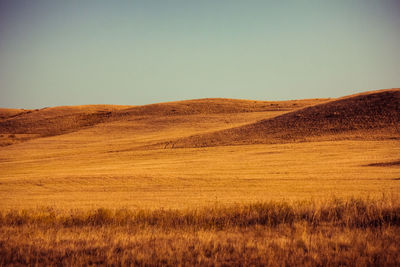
(199,182)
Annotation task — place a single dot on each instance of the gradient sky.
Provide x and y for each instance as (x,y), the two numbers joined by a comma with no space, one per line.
(138,52)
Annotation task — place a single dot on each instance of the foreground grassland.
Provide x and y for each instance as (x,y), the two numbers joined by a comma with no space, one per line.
(354,232)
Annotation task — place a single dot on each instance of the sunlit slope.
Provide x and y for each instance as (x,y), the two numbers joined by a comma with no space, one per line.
(22,125)
(363,116)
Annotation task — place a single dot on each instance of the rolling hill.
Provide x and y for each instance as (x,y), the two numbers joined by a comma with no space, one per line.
(367,115)
(214,122)
(17,125)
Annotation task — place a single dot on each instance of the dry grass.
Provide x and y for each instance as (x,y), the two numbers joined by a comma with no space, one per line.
(355,232)
(360,213)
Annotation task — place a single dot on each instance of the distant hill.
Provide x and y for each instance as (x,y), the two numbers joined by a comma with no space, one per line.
(367,115)
(17,125)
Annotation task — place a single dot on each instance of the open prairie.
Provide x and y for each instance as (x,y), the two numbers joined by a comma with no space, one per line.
(227,158)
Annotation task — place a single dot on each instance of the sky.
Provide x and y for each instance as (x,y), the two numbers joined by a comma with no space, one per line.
(79,52)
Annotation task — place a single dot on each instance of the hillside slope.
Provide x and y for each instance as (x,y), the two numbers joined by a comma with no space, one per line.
(30,124)
(6,113)
(367,115)
(22,125)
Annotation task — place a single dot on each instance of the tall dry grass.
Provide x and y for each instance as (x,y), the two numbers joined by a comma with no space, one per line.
(337,212)
(354,232)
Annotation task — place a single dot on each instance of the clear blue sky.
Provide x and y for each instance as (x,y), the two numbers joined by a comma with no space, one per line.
(138,52)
